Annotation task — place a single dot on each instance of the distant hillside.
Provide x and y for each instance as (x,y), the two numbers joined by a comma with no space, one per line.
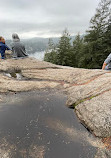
(37,44)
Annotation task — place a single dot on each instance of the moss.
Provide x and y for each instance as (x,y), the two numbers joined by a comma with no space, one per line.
(83,100)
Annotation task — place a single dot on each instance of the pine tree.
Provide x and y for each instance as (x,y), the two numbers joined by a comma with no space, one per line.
(51,45)
(107,40)
(51,53)
(65,50)
(96,37)
(77,50)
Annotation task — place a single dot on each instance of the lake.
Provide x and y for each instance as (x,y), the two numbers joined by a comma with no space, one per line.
(38,55)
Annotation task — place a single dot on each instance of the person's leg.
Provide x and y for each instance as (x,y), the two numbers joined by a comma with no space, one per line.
(106,67)
(3,54)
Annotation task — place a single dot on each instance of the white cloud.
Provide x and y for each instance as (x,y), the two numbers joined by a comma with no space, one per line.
(32,18)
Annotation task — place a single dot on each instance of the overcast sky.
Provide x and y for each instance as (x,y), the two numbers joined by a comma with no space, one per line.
(45,18)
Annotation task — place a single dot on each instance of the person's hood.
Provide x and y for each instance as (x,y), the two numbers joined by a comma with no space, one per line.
(15,37)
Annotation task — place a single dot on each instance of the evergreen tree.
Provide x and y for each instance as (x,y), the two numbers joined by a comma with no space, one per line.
(51,53)
(51,45)
(65,50)
(77,50)
(96,37)
(107,40)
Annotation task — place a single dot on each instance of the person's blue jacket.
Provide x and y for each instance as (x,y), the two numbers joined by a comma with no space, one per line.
(3,48)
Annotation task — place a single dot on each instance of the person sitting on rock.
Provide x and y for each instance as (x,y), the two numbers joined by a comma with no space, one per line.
(18,48)
(3,47)
(107,63)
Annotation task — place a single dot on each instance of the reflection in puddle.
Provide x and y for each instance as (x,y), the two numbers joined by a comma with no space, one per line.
(14,75)
(74,134)
(41,126)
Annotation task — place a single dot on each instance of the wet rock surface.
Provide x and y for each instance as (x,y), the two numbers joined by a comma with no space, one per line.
(88,91)
(39,125)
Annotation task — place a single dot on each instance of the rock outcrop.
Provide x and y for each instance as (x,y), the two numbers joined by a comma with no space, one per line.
(89,91)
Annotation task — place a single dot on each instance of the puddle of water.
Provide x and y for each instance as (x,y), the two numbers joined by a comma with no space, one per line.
(41,126)
(14,75)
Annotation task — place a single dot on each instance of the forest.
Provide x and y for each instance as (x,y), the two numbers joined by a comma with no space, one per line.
(87,51)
